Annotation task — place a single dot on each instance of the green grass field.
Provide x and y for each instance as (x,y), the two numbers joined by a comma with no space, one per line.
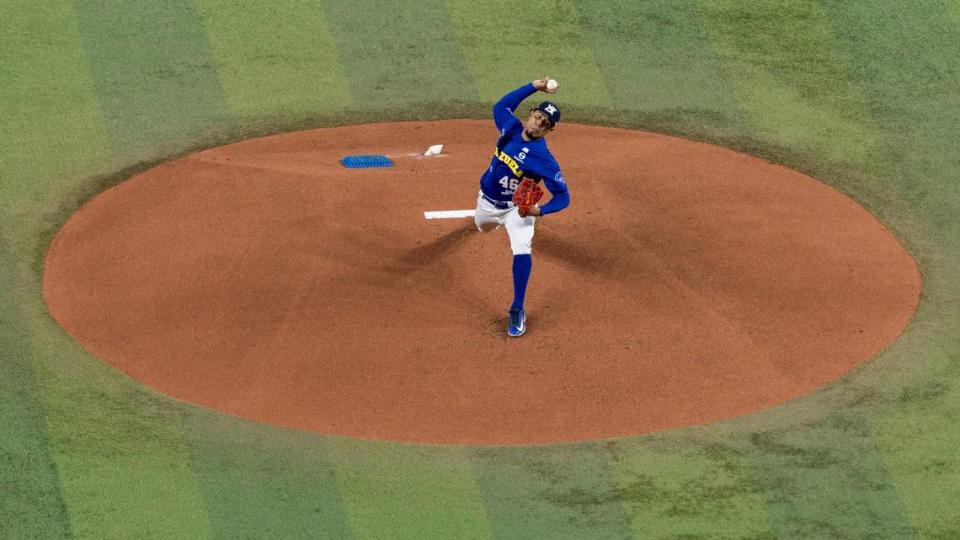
(862,95)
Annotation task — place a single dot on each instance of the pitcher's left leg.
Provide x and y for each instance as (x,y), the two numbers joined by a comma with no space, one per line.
(520,231)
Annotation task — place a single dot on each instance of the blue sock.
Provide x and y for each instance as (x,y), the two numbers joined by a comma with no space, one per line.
(521,273)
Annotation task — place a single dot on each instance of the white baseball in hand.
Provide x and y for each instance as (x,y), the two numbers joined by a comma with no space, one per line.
(552,85)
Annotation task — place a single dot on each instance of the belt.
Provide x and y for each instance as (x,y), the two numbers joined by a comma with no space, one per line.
(498,204)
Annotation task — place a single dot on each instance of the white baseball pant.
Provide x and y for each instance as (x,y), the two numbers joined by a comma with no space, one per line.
(520,229)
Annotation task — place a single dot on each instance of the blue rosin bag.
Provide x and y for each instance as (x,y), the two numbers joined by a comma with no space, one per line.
(361,162)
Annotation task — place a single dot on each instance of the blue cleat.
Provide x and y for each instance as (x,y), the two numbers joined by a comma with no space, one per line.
(517,323)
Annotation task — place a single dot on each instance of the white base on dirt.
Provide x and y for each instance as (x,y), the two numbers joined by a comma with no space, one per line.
(433,151)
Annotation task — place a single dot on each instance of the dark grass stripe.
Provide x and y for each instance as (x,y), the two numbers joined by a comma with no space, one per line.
(259,481)
(656,57)
(398,52)
(502,43)
(31,502)
(906,61)
(156,77)
(563,491)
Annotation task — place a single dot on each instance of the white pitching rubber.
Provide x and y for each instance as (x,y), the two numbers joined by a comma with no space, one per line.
(448,214)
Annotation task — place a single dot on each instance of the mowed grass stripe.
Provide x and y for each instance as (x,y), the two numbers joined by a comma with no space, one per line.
(507,44)
(407,491)
(49,115)
(917,436)
(121,452)
(695,484)
(656,57)
(953,11)
(261,481)
(53,133)
(912,54)
(398,54)
(793,89)
(119,449)
(155,74)
(914,67)
(825,480)
(796,91)
(31,503)
(402,58)
(559,492)
(276,59)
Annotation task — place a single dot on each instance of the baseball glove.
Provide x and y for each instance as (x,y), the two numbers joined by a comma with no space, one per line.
(526,195)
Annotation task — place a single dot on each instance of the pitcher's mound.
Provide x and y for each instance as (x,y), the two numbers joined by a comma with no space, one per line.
(685,284)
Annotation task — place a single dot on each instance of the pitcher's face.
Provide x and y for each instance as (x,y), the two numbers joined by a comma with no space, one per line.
(537,124)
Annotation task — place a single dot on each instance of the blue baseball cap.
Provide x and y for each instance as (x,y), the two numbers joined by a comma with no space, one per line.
(551,110)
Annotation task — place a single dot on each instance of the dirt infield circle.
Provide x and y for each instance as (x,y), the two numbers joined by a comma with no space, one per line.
(686,283)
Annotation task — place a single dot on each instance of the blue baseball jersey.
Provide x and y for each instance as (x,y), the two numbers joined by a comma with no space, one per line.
(514,158)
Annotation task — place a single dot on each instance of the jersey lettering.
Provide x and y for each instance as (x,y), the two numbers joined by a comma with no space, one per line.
(508,161)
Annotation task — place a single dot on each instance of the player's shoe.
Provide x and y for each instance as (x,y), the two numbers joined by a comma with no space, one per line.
(517,323)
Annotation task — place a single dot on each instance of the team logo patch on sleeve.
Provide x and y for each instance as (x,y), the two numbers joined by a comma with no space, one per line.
(559,178)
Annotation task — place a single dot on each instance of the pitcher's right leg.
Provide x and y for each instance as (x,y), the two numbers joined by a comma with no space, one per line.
(487,217)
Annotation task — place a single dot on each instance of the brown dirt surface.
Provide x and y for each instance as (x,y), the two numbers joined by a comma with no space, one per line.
(686,283)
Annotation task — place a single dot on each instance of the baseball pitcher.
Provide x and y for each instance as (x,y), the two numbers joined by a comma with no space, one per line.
(510,187)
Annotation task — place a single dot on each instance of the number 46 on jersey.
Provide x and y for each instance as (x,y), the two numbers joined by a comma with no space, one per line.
(509,183)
